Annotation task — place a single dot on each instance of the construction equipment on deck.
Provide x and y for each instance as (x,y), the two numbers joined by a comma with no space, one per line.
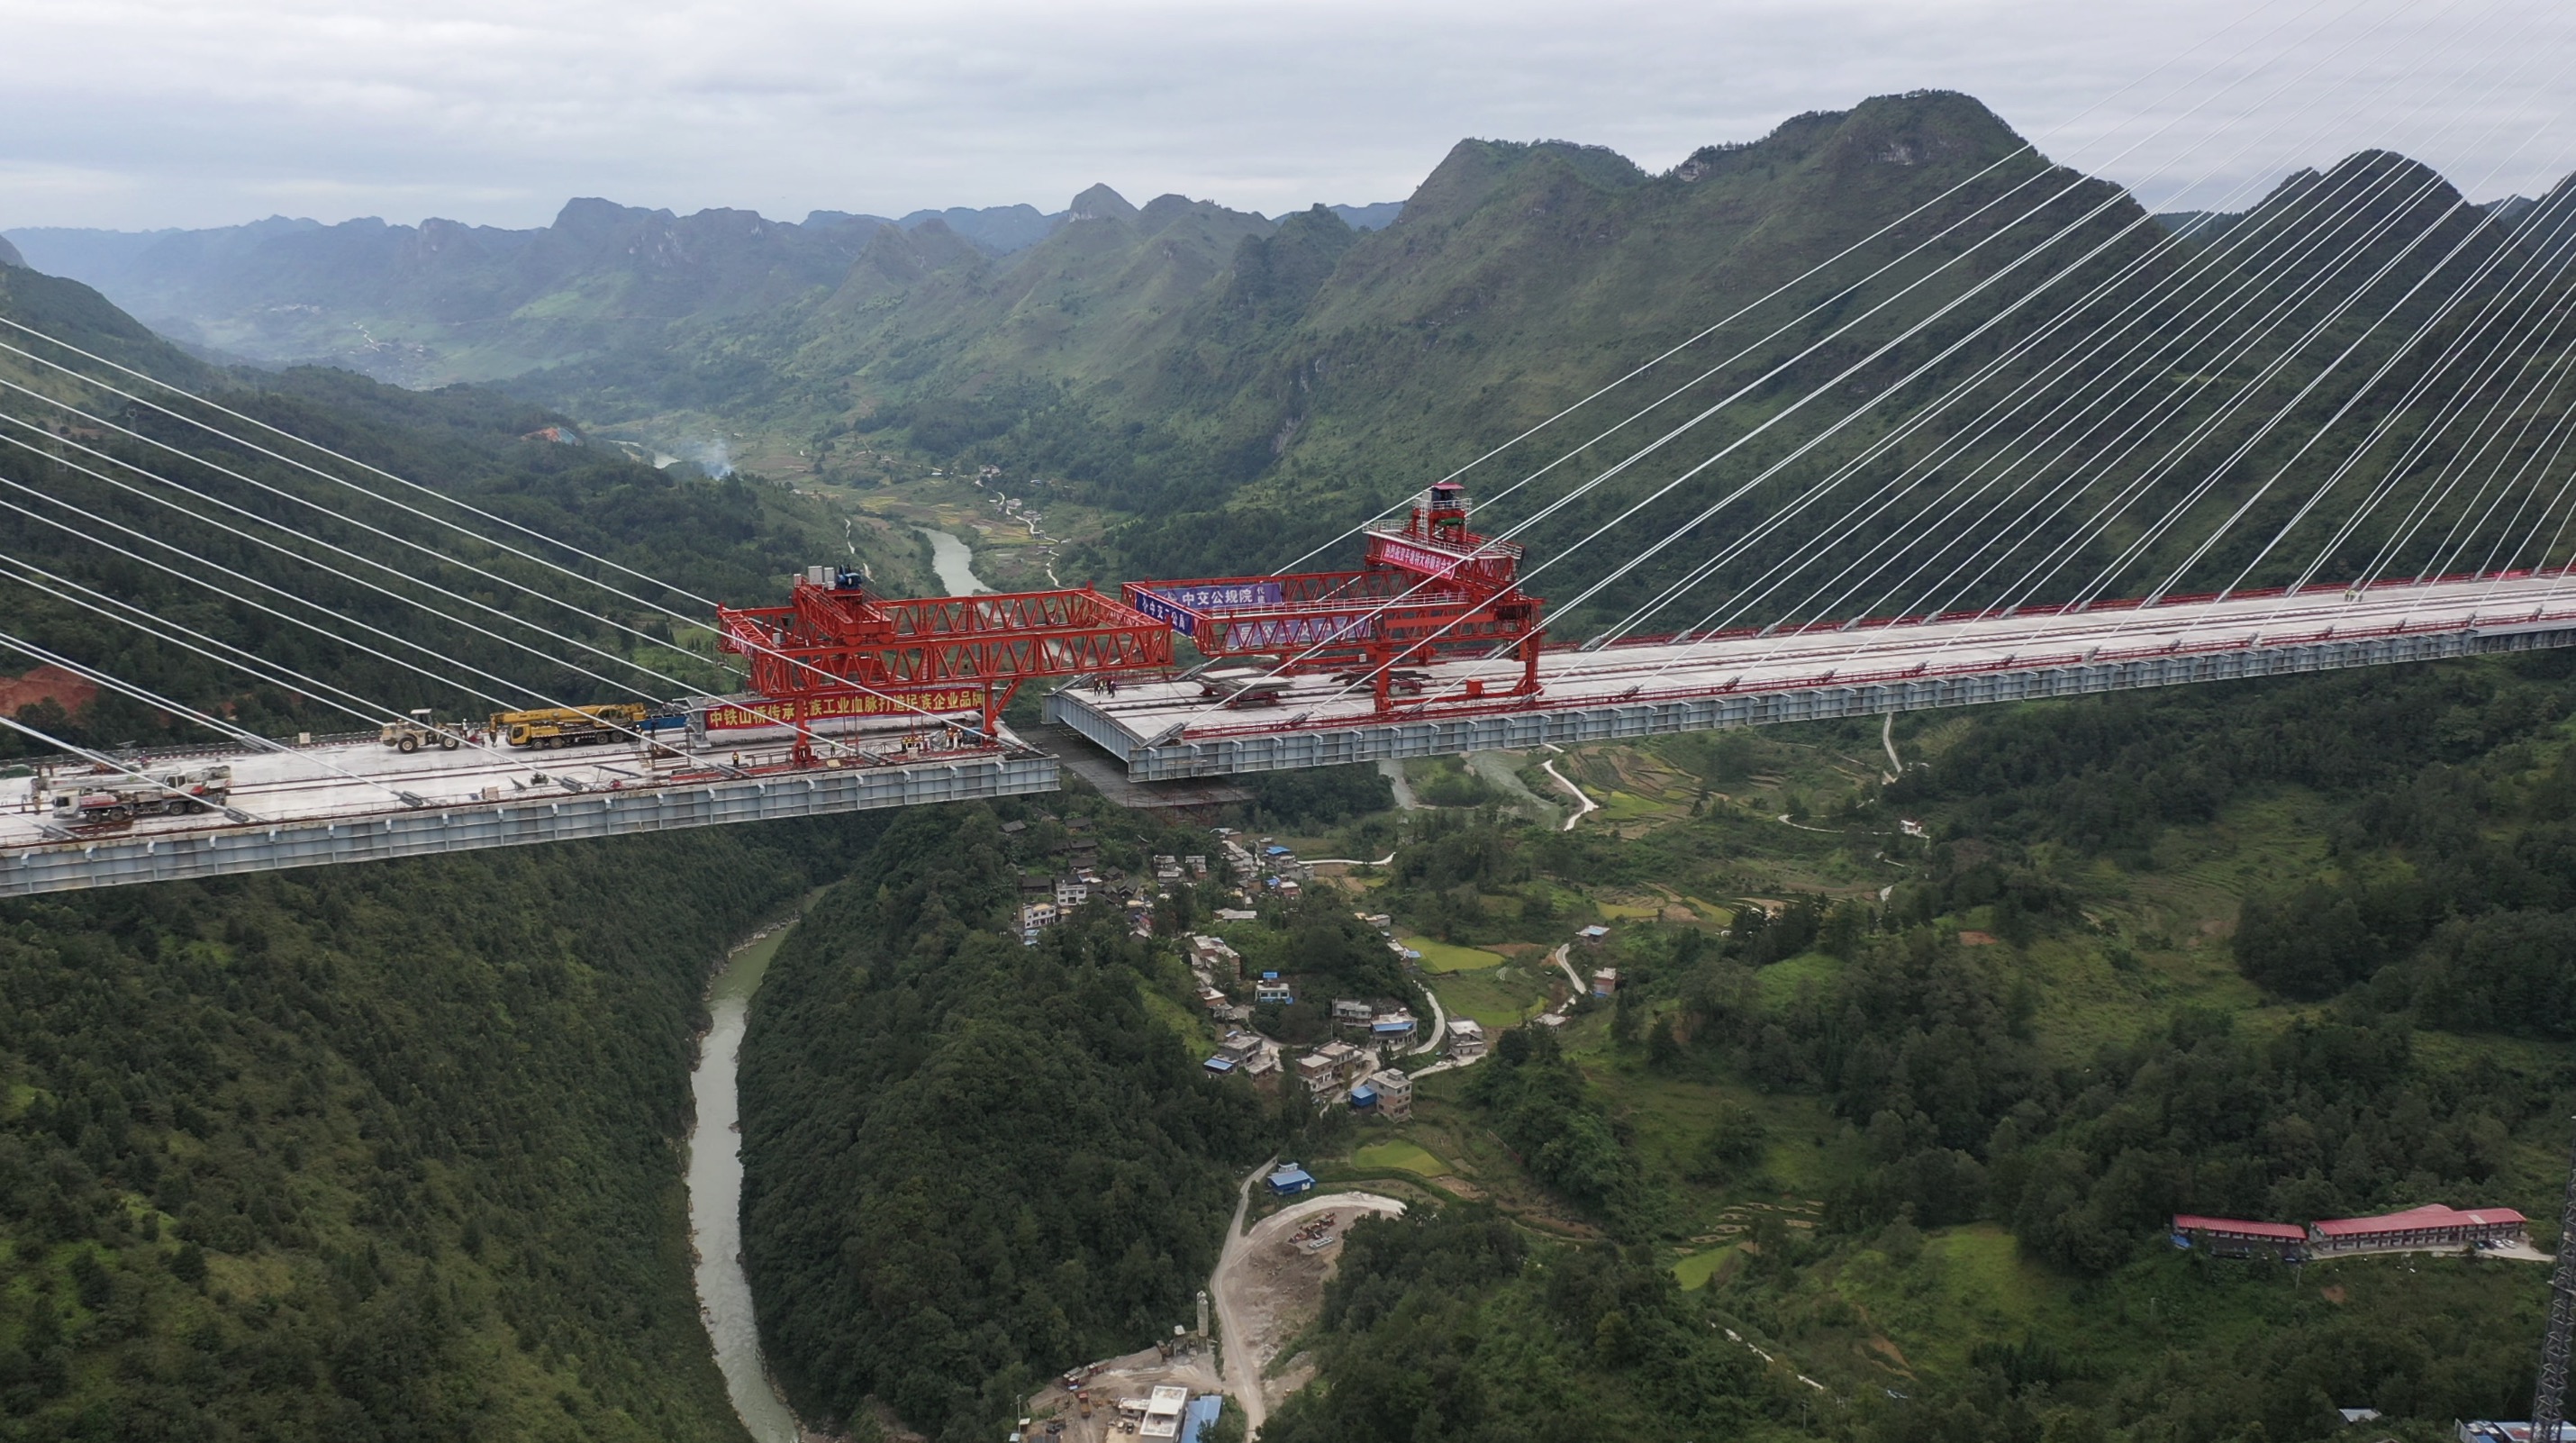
(417,730)
(568,726)
(103,800)
(834,645)
(1429,589)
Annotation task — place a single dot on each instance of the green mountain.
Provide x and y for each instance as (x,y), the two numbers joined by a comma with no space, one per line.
(1225,391)
(445,301)
(387,1152)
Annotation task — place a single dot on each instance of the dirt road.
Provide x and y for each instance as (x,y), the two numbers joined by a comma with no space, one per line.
(1267,1287)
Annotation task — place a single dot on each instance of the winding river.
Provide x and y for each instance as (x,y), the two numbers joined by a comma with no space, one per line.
(715,1195)
(954,563)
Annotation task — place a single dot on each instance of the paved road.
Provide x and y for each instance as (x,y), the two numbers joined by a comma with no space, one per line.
(1584,806)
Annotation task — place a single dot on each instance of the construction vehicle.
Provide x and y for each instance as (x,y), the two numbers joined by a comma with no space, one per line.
(568,726)
(417,730)
(1243,686)
(103,800)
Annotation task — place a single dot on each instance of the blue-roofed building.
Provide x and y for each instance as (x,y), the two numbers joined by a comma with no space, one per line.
(1219,1065)
(1288,1180)
(1363,1097)
(1202,1415)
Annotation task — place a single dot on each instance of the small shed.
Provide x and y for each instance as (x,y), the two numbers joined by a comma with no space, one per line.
(1363,1097)
(1219,1065)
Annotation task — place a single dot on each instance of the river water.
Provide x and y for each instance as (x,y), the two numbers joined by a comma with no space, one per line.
(954,562)
(715,1196)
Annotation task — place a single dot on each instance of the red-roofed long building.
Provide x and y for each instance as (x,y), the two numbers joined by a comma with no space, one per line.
(2238,1238)
(2430,1226)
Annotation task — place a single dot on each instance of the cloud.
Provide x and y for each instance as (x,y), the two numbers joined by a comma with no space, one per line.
(147,112)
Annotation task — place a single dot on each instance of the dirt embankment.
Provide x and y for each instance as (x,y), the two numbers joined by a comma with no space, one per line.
(1270,1284)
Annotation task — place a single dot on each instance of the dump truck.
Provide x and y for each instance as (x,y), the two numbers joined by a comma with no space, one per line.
(568,726)
(417,730)
(99,800)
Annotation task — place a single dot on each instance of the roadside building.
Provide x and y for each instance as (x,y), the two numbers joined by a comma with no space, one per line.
(1394,1095)
(1272,988)
(1605,982)
(1288,1180)
(1353,1014)
(1466,1038)
(1388,1027)
(2430,1226)
(1213,954)
(1033,917)
(1163,1410)
(2238,1238)
(1204,1411)
(1240,1045)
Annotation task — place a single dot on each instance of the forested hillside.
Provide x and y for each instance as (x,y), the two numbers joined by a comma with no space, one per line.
(375,1152)
(243,547)
(971,1164)
(1914,1125)
(383,1152)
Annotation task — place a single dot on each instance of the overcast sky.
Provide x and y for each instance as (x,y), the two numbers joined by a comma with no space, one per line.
(144,113)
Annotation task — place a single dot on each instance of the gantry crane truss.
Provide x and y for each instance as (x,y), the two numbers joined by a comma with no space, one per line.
(1430,589)
(834,641)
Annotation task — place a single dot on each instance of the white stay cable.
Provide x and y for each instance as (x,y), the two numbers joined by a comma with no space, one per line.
(2498,305)
(215,724)
(2353,248)
(899,701)
(2210,542)
(347,460)
(223,653)
(368,527)
(197,578)
(2452,406)
(2138,311)
(2141,426)
(107,763)
(2030,147)
(263,542)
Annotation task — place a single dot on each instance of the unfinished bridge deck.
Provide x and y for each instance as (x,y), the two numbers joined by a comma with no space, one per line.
(1864,669)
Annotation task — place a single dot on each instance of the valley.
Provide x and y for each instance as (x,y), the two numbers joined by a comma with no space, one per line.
(1838,1079)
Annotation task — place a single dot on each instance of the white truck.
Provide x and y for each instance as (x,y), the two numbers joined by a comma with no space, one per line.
(116,797)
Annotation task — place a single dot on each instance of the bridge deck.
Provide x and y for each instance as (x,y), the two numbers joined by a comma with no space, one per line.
(1864,669)
(305,814)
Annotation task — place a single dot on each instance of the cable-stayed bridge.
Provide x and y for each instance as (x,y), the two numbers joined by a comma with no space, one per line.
(2018,441)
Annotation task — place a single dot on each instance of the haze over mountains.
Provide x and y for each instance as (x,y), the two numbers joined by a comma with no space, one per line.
(444,301)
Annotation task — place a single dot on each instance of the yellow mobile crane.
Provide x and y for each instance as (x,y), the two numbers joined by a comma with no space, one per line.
(567,726)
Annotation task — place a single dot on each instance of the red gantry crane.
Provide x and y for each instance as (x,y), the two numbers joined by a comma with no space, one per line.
(836,650)
(1429,589)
